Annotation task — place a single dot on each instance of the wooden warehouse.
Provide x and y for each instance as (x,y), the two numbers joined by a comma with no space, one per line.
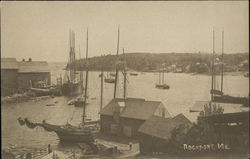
(156,132)
(32,71)
(124,117)
(17,75)
(9,68)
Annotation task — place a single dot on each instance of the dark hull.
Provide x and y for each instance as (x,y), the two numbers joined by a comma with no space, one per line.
(74,137)
(71,89)
(109,80)
(79,103)
(46,92)
(162,86)
(231,99)
(133,74)
(70,134)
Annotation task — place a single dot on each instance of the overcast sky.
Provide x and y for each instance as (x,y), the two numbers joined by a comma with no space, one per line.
(40,30)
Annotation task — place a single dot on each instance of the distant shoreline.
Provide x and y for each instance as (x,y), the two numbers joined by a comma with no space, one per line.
(235,73)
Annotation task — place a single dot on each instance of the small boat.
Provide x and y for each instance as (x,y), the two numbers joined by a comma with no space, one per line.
(80,102)
(133,74)
(246,74)
(109,80)
(50,104)
(162,86)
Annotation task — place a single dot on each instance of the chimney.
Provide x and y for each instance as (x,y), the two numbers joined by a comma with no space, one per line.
(30,59)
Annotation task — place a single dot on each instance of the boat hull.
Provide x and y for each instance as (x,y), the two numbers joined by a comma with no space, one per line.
(71,89)
(162,86)
(74,137)
(70,134)
(79,103)
(107,80)
(231,99)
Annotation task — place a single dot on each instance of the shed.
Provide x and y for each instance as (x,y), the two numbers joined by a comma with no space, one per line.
(9,68)
(156,132)
(33,71)
(124,117)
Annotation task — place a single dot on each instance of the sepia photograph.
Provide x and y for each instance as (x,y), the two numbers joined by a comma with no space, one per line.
(125,80)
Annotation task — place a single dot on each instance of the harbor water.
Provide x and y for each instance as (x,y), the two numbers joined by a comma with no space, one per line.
(184,90)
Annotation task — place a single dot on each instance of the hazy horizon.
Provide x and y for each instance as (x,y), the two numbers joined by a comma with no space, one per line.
(40,30)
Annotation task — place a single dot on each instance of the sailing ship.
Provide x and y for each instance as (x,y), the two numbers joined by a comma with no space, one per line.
(71,86)
(68,132)
(216,94)
(109,79)
(80,101)
(161,84)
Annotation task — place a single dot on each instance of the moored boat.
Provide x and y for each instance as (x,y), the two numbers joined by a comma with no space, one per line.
(71,86)
(218,95)
(68,132)
(161,84)
(133,74)
(109,80)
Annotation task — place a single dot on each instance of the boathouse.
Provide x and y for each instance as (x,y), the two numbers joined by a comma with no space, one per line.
(124,117)
(156,133)
(9,68)
(17,75)
(31,72)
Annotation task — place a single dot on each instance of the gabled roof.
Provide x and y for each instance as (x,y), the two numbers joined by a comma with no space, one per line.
(135,108)
(140,110)
(9,63)
(33,66)
(162,127)
(182,119)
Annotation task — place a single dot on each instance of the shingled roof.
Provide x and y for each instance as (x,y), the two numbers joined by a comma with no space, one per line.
(135,108)
(162,127)
(33,66)
(9,63)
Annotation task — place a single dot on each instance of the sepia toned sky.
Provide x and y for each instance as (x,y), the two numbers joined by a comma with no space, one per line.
(40,30)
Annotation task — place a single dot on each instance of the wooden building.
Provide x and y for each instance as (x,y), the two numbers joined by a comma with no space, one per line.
(124,117)
(9,68)
(156,132)
(228,128)
(17,75)
(32,72)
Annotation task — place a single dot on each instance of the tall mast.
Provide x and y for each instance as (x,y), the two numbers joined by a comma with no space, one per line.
(163,74)
(222,52)
(72,55)
(86,81)
(212,85)
(159,76)
(81,73)
(125,77)
(101,90)
(117,70)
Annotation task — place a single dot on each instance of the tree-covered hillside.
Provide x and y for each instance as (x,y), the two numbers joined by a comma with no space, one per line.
(184,62)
